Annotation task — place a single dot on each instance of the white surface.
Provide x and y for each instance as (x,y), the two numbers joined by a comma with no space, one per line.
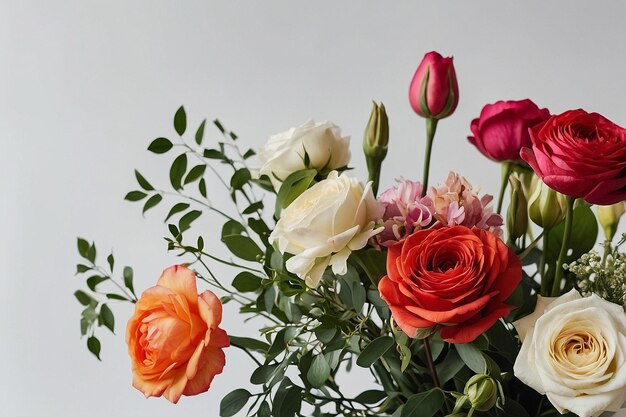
(85,86)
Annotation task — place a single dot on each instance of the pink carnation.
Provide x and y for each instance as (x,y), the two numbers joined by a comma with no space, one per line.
(456,202)
(405,211)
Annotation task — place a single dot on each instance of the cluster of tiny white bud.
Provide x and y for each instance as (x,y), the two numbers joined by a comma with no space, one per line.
(603,275)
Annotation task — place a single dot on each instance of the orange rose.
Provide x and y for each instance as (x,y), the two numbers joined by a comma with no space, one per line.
(174,341)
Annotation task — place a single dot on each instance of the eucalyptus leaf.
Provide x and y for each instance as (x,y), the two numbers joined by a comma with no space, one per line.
(319,372)
(374,350)
(233,402)
(424,404)
(106,315)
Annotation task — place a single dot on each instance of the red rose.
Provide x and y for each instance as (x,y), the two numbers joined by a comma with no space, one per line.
(502,128)
(457,277)
(581,155)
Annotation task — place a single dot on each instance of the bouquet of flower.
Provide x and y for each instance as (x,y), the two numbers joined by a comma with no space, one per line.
(455,309)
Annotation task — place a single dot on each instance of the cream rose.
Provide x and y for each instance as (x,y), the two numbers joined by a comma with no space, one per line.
(325,224)
(284,153)
(573,351)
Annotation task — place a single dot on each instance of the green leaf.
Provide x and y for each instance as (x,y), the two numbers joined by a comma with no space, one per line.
(262,374)
(152,201)
(92,282)
(249,343)
(135,196)
(247,282)
(111,262)
(371,397)
(177,208)
(373,351)
(200,243)
(200,132)
(143,183)
(112,296)
(91,253)
(82,297)
(177,170)
(502,339)
(93,344)
(185,222)
(249,153)
(232,227)
(233,402)
(128,279)
(218,124)
(202,187)
(106,315)
(253,207)
(243,247)
(195,173)
(451,366)
(318,372)
(213,154)
(160,145)
(82,268)
(264,410)
(352,292)
(582,238)
(240,178)
(424,404)
(180,121)
(83,247)
(287,402)
(294,185)
(472,357)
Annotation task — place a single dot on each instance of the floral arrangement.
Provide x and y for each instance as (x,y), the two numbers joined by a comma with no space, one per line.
(456,307)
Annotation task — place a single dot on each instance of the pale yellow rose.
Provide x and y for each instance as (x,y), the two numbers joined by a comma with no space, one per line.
(573,350)
(325,224)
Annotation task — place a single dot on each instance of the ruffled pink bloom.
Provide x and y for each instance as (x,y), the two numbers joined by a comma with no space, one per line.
(456,202)
(405,211)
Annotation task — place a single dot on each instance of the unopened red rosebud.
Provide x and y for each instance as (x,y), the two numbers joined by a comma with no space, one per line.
(434,92)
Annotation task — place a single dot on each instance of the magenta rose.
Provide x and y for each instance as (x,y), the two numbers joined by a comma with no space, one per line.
(502,128)
(581,155)
(434,92)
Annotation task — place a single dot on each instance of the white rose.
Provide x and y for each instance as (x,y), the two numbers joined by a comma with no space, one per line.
(284,153)
(325,224)
(573,351)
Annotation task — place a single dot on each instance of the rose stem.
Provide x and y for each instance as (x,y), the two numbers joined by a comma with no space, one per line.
(542,265)
(431,365)
(507,167)
(569,217)
(431,128)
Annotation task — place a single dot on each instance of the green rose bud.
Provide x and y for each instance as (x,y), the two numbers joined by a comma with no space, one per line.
(609,217)
(375,141)
(546,207)
(482,392)
(517,214)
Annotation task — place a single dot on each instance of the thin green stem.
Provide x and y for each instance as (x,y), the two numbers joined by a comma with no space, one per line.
(431,128)
(373,169)
(530,247)
(542,265)
(507,168)
(607,251)
(247,352)
(431,363)
(558,277)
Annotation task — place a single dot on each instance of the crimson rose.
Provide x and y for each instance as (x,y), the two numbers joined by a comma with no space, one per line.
(502,128)
(581,155)
(454,276)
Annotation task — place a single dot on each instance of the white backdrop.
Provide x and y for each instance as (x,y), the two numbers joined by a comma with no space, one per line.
(85,86)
